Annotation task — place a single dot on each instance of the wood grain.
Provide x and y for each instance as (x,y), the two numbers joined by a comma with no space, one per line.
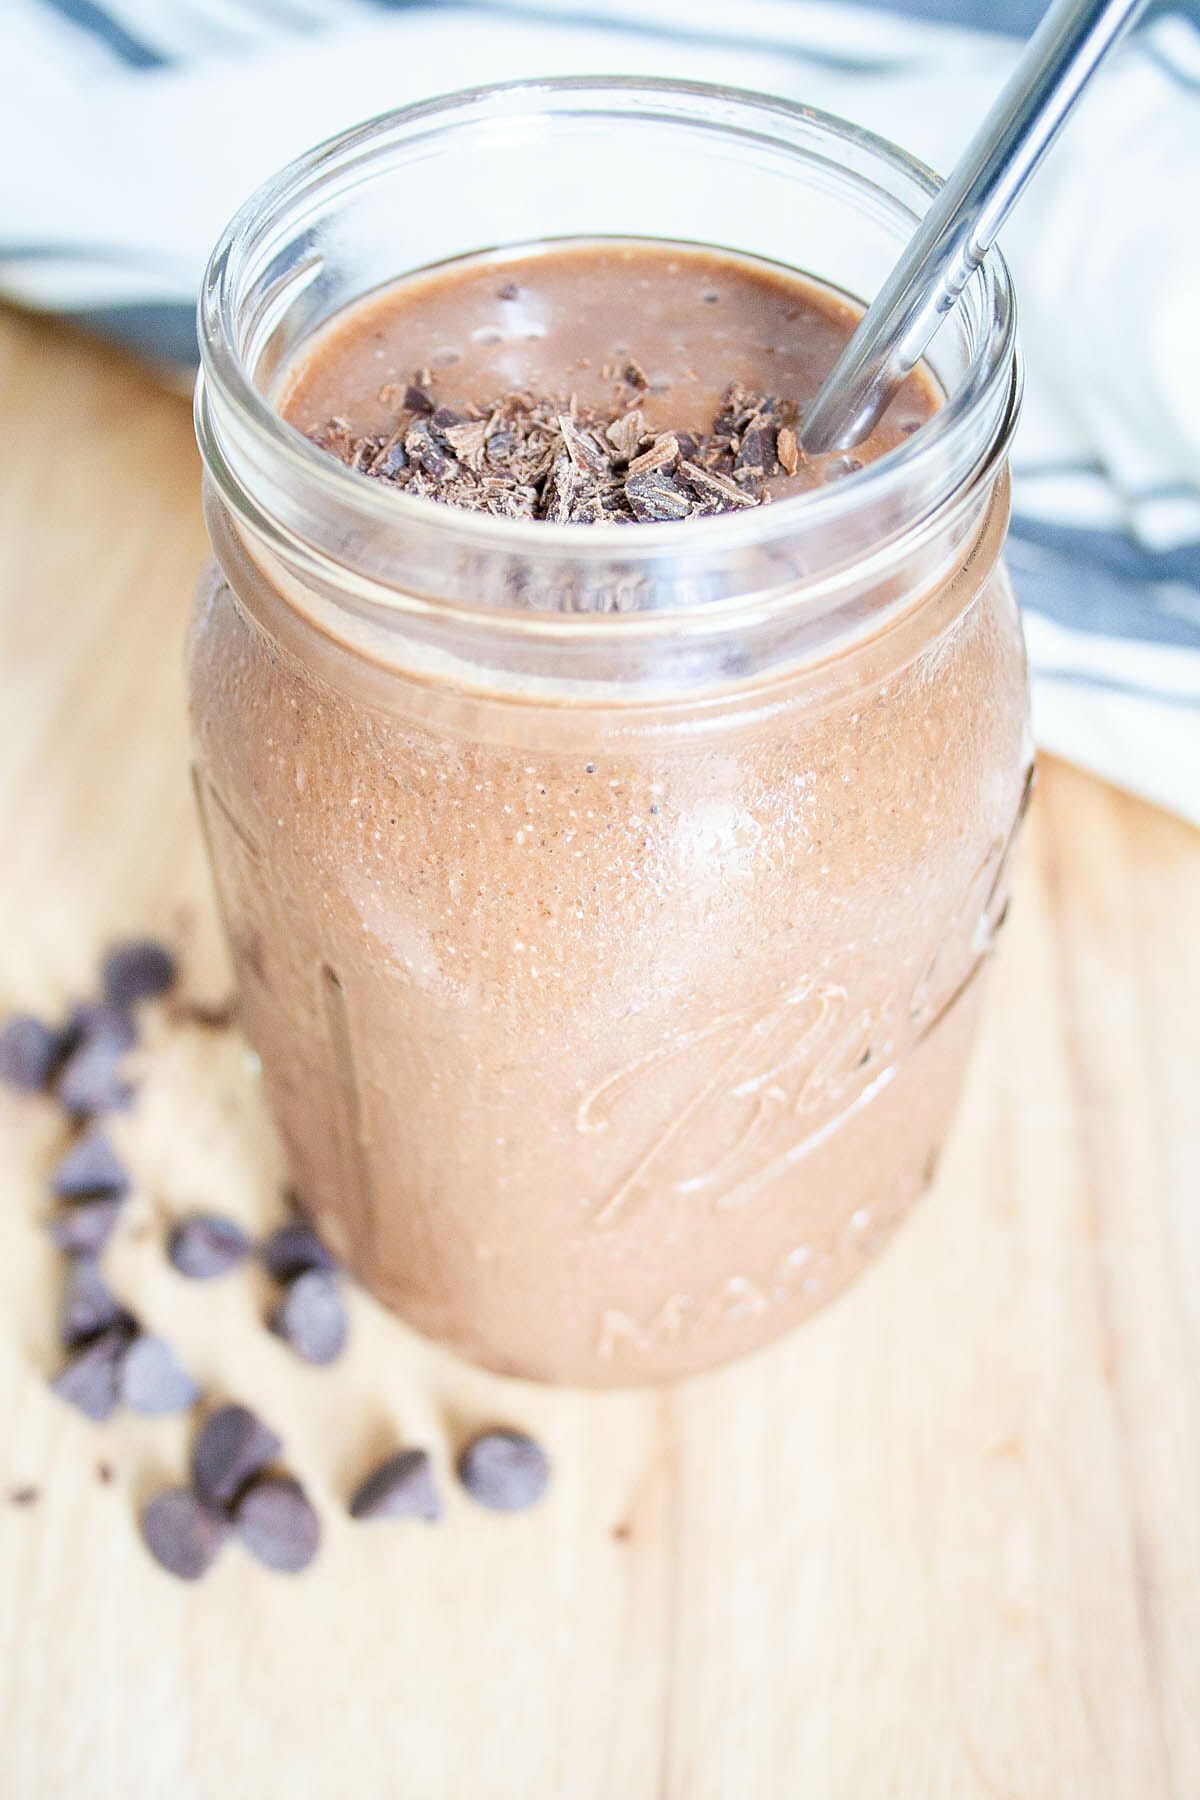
(943,1542)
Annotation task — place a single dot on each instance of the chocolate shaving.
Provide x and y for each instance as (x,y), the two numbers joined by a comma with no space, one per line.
(662,453)
(656,496)
(626,434)
(787,449)
(535,457)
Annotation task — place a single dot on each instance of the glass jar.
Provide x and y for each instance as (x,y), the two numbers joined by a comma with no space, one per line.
(607,902)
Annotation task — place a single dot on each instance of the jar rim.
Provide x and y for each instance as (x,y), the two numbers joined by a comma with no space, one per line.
(241,434)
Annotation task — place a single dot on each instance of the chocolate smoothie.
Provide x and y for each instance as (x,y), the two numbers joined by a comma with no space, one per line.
(608,1041)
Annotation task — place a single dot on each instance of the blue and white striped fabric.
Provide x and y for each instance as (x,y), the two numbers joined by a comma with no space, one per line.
(130,129)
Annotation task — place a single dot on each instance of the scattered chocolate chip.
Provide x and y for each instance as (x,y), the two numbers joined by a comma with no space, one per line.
(204,1245)
(105,1473)
(90,1078)
(508,290)
(88,1307)
(24,1496)
(153,1380)
(182,1533)
(504,1470)
(293,1249)
(28,1053)
(416,399)
(83,1227)
(277,1524)
(310,1317)
(90,1167)
(99,1019)
(401,1488)
(92,1377)
(633,375)
(138,970)
(231,1447)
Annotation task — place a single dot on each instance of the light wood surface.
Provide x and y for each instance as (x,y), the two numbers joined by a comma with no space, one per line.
(943,1542)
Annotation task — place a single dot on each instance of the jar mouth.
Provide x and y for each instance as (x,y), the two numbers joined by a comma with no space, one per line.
(303,501)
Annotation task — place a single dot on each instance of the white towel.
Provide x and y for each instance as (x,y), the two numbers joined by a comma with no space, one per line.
(130,130)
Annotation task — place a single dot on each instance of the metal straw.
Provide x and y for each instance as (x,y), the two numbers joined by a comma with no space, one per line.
(962,221)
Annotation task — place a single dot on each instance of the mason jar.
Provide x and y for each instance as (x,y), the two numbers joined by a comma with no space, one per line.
(608,903)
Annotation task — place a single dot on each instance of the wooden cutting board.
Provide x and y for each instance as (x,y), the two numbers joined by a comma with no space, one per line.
(943,1542)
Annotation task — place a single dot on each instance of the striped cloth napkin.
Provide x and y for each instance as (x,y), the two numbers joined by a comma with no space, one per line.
(131,129)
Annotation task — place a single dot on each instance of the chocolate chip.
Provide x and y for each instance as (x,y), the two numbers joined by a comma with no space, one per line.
(88,1307)
(231,1447)
(83,1227)
(153,1380)
(504,1470)
(277,1524)
(90,1167)
(105,1473)
(91,1379)
(28,1053)
(311,1317)
(90,1078)
(508,290)
(24,1496)
(182,1533)
(138,970)
(400,1488)
(417,400)
(204,1245)
(293,1249)
(99,1019)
